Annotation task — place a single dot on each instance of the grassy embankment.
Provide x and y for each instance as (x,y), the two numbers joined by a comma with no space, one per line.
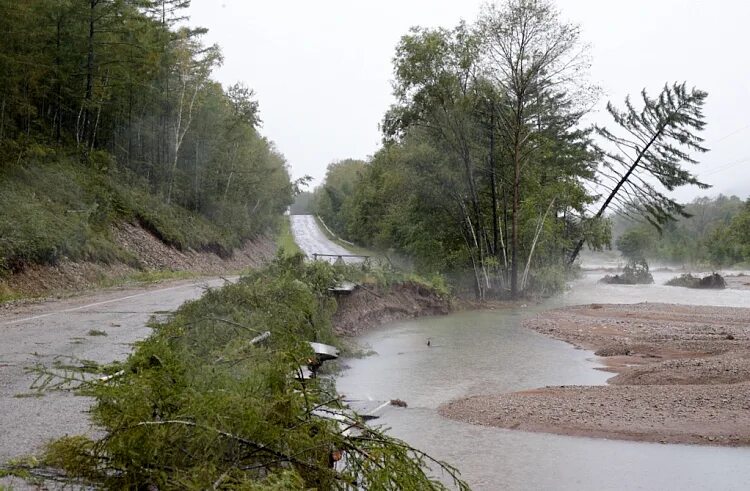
(202,403)
(55,209)
(285,240)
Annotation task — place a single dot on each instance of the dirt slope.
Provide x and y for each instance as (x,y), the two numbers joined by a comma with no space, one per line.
(150,254)
(367,307)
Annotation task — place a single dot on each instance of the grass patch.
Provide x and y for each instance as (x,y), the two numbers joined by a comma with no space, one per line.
(7,294)
(285,240)
(97,332)
(146,277)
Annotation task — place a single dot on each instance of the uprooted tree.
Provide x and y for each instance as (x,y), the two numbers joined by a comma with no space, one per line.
(210,401)
(648,152)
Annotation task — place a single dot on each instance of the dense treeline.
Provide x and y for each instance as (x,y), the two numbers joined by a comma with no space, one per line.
(486,166)
(114,100)
(332,200)
(717,233)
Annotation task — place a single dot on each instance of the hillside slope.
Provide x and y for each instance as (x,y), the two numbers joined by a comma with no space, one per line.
(64,226)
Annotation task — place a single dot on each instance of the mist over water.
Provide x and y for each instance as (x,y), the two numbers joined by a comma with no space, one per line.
(489,352)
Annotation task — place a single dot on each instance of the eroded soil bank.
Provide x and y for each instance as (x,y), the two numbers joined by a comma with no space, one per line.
(149,255)
(682,376)
(367,306)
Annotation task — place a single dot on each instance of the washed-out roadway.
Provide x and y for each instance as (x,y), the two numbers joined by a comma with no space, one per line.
(62,330)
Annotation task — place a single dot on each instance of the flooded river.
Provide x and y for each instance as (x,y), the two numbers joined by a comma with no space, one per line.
(489,352)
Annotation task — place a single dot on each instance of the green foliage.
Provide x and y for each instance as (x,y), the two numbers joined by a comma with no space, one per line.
(482,168)
(634,244)
(331,201)
(285,240)
(200,405)
(52,210)
(712,234)
(108,112)
(730,243)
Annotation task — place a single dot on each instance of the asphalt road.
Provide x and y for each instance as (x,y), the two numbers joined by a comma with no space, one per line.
(64,331)
(311,239)
(59,330)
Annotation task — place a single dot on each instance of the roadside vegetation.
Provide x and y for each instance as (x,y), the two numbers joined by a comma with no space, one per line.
(203,404)
(108,113)
(487,172)
(285,239)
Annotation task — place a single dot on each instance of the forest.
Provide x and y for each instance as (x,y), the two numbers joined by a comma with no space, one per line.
(489,170)
(716,234)
(109,113)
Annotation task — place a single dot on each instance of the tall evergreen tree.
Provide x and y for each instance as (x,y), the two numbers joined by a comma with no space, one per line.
(649,150)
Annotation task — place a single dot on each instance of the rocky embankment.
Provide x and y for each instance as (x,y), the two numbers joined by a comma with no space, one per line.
(369,306)
(682,376)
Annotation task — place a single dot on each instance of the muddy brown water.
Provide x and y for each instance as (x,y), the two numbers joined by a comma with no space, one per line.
(489,352)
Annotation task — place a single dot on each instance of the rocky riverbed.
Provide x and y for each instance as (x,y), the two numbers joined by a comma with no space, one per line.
(682,376)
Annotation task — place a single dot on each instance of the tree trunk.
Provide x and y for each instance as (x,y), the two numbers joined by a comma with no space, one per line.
(539,227)
(616,189)
(89,93)
(493,184)
(58,81)
(514,219)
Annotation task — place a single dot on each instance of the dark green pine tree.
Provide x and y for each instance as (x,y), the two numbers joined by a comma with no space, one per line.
(650,151)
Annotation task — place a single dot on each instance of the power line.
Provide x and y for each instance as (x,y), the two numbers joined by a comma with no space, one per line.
(730,134)
(726,166)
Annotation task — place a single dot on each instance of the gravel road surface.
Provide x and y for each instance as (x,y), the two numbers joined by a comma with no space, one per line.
(312,240)
(57,330)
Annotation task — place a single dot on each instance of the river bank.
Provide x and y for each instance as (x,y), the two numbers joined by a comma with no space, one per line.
(370,306)
(682,376)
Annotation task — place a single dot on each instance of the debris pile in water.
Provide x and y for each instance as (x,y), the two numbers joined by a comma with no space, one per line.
(712,281)
(634,273)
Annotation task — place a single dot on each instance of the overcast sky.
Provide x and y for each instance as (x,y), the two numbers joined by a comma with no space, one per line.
(322,70)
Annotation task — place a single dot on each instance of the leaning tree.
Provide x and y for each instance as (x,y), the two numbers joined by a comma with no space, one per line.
(647,155)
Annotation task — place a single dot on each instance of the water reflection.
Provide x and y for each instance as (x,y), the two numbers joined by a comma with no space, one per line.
(481,352)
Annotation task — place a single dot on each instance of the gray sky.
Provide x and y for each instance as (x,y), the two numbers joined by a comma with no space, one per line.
(321,69)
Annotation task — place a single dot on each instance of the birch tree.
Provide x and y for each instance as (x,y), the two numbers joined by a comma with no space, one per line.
(192,70)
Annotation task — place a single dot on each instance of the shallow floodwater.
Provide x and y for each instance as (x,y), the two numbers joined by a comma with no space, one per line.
(489,352)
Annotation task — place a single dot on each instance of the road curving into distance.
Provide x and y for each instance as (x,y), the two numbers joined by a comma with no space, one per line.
(311,239)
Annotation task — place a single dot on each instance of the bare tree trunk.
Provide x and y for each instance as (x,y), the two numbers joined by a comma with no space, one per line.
(58,81)
(539,227)
(2,119)
(89,93)
(514,220)
(493,183)
(180,131)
